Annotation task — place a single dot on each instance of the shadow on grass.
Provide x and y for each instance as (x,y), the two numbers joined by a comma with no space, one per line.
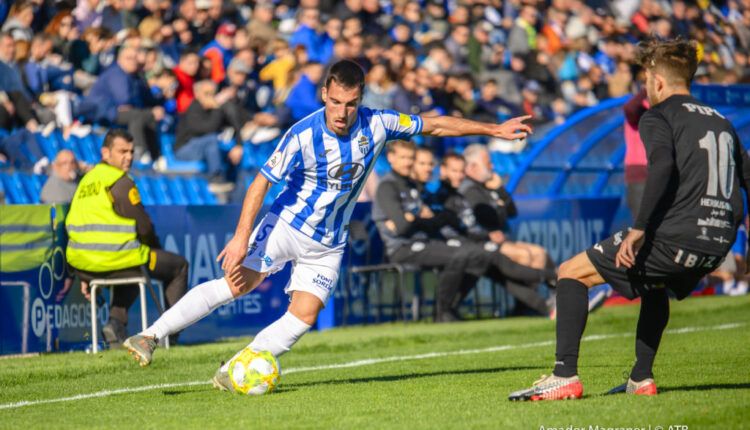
(707,387)
(405,377)
(190,390)
(280,390)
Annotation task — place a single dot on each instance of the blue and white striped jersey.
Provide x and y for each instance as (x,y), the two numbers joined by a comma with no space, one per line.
(325,172)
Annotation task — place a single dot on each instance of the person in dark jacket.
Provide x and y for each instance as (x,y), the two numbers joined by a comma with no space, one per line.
(15,101)
(413,234)
(493,206)
(120,96)
(197,137)
(447,198)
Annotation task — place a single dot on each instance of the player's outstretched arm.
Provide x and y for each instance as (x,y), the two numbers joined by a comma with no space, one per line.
(234,252)
(448,126)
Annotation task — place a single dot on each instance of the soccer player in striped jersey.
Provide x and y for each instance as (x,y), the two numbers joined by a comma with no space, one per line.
(324,159)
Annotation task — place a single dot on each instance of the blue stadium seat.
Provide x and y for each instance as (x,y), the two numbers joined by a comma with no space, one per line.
(49,145)
(177,191)
(90,149)
(30,185)
(15,193)
(192,191)
(160,190)
(201,185)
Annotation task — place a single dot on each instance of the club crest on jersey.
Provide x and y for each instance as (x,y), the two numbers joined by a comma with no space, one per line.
(364,144)
(704,234)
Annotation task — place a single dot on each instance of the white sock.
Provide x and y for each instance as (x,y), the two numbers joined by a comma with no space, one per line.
(200,301)
(278,337)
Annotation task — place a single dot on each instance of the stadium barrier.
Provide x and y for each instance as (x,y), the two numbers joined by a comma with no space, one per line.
(39,314)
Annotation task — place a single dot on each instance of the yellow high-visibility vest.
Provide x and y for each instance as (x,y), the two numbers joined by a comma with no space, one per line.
(100,240)
(26,237)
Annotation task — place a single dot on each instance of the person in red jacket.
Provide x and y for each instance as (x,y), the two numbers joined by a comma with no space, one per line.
(186,71)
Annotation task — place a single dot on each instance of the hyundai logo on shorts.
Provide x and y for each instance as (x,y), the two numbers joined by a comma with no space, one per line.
(346,171)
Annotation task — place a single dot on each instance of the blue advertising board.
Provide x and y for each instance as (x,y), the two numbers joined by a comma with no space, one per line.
(42,310)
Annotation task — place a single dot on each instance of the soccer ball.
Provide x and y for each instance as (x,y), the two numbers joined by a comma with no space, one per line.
(254,373)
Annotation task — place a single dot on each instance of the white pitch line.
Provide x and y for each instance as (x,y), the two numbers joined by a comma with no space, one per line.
(358,363)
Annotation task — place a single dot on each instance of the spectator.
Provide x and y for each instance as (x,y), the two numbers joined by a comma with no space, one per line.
(379,88)
(220,51)
(458,46)
(531,105)
(121,97)
(241,108)
(15,103)
(278,71)
(492,108)
(303,97)
(62,183)
(40,71)
(185,72)
(523,37)
(260,28)
(87,14)
(20,17)
(65,36)
(332,33)
(636,164)
(197,137)
(163,86)
(306,34)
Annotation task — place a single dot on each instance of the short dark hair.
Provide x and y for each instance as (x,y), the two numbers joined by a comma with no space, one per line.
(187,52)
(346,73)
(676,60)
(109,138)
(452,156)
(406,144)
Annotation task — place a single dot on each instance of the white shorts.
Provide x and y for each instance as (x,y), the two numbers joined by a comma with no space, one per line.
(315,267)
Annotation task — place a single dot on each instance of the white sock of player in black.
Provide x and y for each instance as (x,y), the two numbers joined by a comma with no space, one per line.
(652,321)
(572,312)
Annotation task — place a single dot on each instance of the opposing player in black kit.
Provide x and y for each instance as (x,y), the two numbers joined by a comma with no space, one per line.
(691,208)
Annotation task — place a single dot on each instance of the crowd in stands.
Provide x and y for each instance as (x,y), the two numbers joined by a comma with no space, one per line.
(210,71)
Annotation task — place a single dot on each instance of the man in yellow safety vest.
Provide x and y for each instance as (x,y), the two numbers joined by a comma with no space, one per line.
(111,235)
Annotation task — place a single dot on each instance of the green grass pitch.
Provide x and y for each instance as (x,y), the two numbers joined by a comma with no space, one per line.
(702,371)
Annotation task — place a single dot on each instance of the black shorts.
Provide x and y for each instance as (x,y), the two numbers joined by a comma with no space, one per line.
(657,265)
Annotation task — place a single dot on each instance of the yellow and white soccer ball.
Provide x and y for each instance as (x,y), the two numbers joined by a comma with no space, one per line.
(253,372)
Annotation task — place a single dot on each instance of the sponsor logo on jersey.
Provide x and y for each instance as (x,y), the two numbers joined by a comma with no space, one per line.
(268,260)
(713,222)
(346,171)
(704,234)
(323,281)
(721,239)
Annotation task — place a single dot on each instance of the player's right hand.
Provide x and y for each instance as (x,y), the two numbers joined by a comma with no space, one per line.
(233,254)
(629,248)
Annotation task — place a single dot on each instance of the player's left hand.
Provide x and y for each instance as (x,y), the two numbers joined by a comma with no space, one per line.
(513,128)
(629,248)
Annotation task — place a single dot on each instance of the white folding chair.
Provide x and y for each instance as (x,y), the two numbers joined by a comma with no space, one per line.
(94,285)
